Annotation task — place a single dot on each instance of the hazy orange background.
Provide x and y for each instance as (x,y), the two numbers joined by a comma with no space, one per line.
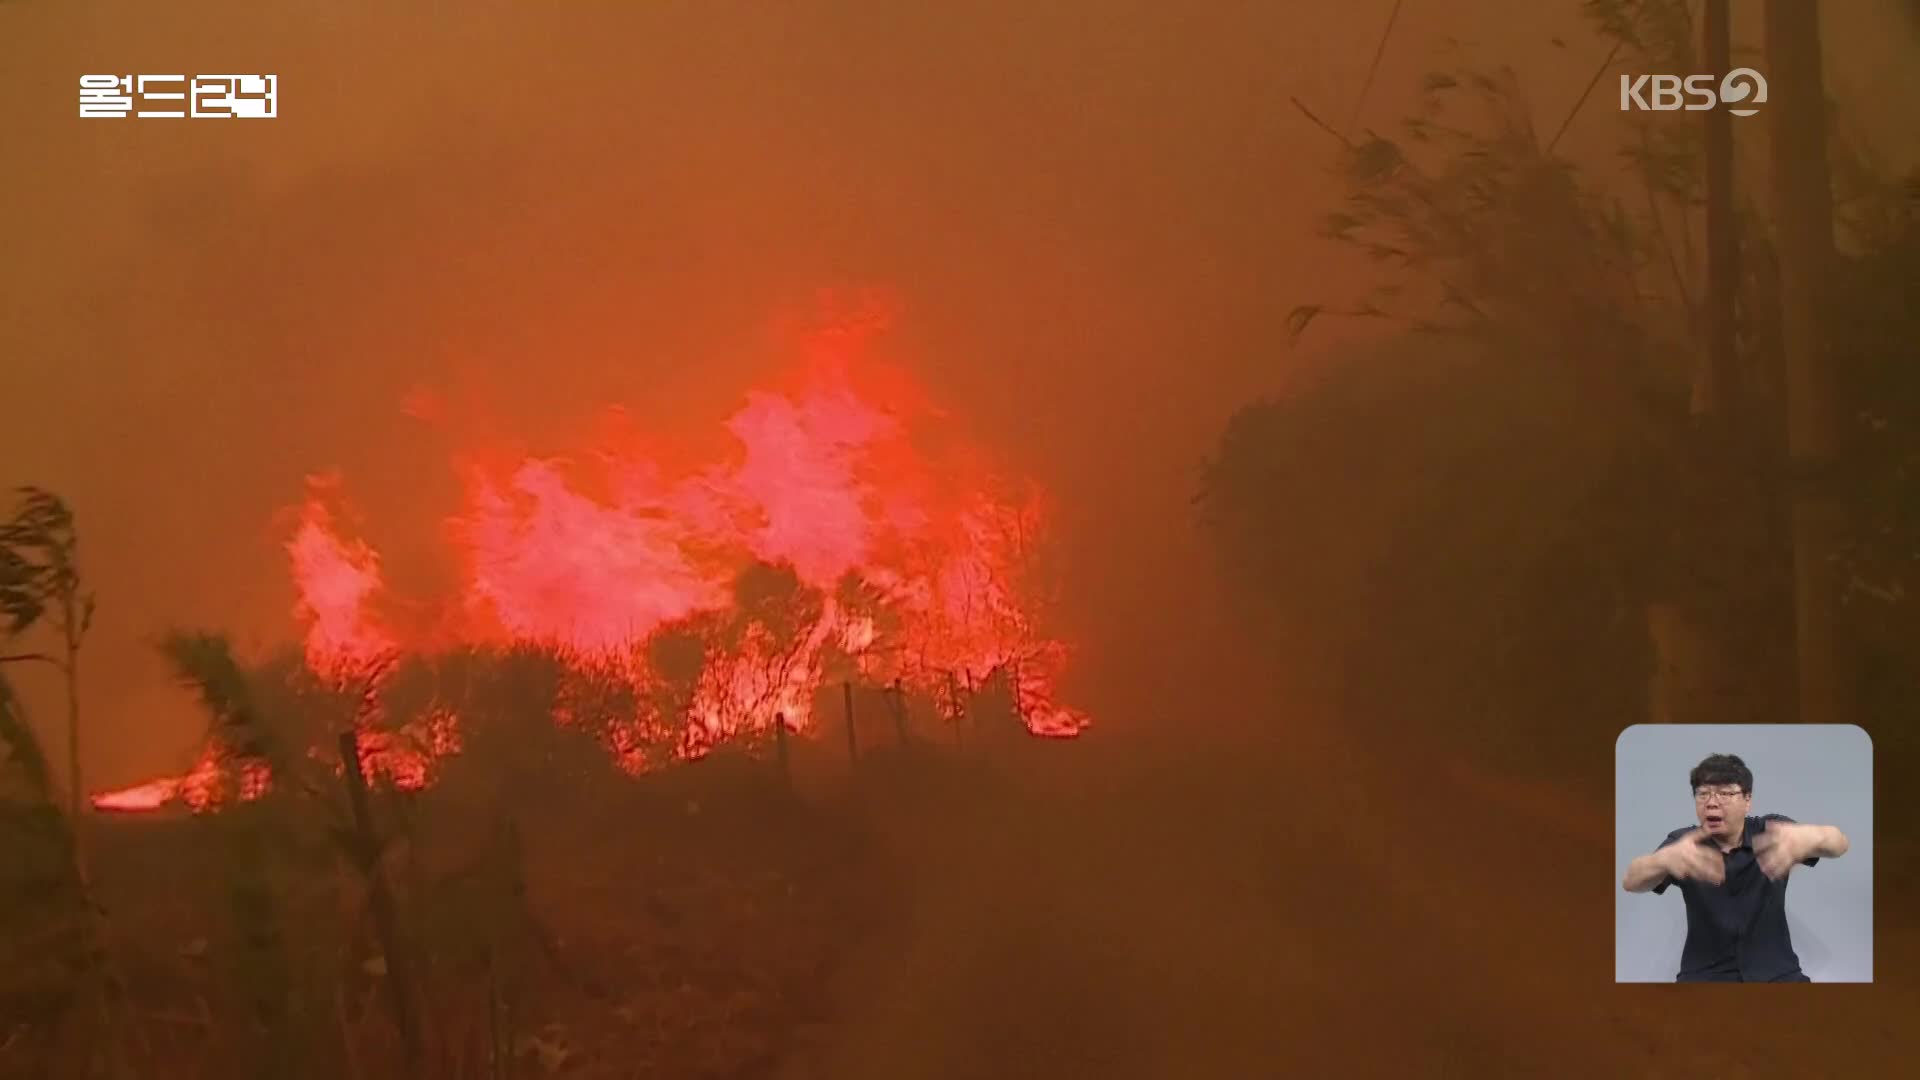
(1096,216)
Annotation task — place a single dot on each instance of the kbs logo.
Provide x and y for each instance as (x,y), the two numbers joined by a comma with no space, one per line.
(1695,93)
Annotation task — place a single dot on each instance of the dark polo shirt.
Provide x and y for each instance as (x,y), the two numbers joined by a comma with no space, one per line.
(1737,932)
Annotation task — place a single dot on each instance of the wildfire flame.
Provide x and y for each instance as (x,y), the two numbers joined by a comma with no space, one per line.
(849,522)
(201,788)
(337,580)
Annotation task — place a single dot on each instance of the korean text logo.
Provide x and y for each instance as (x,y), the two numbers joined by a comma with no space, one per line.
(208,97)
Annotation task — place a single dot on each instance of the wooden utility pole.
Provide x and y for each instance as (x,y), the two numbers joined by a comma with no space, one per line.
(1803,216)
(1712,378)
(1692,630)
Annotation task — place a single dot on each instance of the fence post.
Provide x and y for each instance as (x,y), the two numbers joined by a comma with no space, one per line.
(853,743)
(780,748)
(897,701)
(959,707)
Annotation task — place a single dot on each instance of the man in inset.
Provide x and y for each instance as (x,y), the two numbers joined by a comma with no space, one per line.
(1732,870)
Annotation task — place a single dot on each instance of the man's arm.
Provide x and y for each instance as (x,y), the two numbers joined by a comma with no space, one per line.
(1647,871)
(1828,843)
(1787,843)
(1681,855)
(1815,841)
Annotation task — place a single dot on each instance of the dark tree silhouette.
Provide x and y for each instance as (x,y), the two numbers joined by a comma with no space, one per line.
(40,576)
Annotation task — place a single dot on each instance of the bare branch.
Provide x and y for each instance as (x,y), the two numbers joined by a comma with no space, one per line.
(1373,68)
(1581,101)
(1321,124)
(1666,245)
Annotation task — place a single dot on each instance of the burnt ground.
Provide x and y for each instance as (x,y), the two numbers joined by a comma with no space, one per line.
(1124,906)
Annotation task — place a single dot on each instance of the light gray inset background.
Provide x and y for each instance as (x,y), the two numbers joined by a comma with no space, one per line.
(1819,774)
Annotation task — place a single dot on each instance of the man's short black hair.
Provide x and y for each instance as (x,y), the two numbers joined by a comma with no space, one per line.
(1721,769)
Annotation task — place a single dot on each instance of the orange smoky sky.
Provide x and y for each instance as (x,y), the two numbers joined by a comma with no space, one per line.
(494,221)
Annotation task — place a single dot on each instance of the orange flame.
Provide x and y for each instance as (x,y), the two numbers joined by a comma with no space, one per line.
(599,549)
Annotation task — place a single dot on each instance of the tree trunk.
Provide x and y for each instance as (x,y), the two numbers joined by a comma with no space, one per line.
(1803,212)
(76,782)
(386,921)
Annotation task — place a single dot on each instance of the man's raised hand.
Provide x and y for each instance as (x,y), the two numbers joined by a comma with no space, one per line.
(1693,857)
(1781,847)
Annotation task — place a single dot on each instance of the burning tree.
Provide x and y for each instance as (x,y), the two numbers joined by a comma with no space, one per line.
(726,673)
(975,616)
